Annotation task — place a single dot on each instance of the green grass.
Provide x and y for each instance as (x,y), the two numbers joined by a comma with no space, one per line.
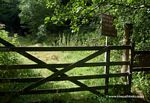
(68,98)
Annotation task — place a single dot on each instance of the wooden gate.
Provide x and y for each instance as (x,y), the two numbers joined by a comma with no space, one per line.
(59,75)
(141,61)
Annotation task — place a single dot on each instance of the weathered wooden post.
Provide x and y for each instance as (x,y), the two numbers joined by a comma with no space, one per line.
(126,41)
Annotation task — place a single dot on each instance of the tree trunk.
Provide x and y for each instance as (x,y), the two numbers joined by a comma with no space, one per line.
(126,41)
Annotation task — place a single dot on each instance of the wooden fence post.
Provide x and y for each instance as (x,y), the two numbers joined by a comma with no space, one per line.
(126,41)
(131,68)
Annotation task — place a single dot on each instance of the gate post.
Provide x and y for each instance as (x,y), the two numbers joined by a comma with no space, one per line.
(107,60)
(131,68)
(126,41)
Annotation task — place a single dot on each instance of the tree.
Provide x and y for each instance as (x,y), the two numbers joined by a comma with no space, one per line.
(75,14)
(137,13)
(125,11)
(9,15)
(33,13)
(78,12)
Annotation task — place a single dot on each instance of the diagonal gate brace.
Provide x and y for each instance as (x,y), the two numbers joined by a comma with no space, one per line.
(56,74)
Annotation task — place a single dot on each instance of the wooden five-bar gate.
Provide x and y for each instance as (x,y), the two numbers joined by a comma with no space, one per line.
(60,74)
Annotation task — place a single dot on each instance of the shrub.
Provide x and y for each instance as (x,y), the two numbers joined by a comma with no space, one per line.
(8,58)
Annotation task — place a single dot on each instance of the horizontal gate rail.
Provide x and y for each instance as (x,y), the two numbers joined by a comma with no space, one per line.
(24,80)
(140,69)
(47,91)
(22,49)
(141,52)
(53,66)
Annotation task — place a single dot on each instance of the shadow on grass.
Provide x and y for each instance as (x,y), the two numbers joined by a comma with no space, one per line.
(80,97)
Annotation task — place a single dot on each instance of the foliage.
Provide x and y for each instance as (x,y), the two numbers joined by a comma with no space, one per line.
(9,14)
(33,13)
(141,81)
(59,15)
(137,13)
(41,35)
(75,11)
(8,58)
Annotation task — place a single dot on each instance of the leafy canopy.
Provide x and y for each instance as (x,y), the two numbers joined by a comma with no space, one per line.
(77,13)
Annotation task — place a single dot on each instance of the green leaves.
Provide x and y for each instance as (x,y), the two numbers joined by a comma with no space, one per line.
(75,11)
(79,14)
(46,20)
(34,13)
(130,1)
